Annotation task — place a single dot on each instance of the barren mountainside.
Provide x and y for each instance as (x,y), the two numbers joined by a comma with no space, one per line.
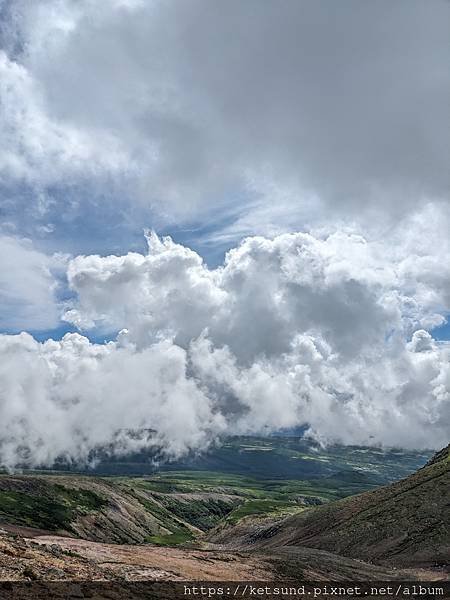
(186,524)
(404,524)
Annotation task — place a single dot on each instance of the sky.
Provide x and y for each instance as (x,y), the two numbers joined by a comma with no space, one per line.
(222,218)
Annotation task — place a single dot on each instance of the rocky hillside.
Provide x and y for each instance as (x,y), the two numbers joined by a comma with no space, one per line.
(105,510)
(403,524)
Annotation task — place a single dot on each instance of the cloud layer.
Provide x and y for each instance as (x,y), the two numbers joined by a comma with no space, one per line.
(328,330)
(200,108)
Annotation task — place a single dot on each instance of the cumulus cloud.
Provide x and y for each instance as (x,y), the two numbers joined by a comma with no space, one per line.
(63,399)
(327,330)
(197,104)
(352,289)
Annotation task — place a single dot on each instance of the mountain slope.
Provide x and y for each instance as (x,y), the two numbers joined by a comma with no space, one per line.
(101,510)
(403,524)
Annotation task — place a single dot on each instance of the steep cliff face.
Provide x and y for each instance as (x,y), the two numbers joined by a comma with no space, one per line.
(404,524)
(441,456)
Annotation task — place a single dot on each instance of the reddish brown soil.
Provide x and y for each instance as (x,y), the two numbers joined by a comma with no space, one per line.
(134,562)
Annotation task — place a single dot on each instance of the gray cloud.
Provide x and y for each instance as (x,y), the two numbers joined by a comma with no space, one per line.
(190,103)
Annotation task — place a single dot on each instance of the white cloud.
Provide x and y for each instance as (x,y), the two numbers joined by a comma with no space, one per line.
(319,329)
(353,290)
(27,286)
(42,150)
(65,398)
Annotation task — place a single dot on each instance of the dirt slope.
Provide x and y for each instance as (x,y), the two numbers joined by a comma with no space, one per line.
(22,559)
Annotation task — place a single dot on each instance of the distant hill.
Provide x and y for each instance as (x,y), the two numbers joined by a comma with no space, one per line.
(272,457)
(405,524)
